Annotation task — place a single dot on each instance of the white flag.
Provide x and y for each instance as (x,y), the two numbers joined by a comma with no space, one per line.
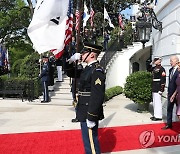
(85,15)
(48,25)
(106,16)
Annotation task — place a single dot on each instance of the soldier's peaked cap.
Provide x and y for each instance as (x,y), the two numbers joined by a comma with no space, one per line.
(90,47)
(157,58)
(44,56)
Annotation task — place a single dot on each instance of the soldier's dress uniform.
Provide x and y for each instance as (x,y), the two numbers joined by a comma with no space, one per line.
(158,85)
(44,76)
(90,100)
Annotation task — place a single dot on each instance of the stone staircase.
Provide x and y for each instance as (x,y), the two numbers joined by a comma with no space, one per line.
(119,67)
(62,90)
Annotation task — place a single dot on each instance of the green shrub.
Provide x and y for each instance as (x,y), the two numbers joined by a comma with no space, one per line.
(16,67)
(111,92)
(138,87)
(30,66)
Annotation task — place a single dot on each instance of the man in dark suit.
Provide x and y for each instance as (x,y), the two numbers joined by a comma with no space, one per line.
(91,97)
(173,73)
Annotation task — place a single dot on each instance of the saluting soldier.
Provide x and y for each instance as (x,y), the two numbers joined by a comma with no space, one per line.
(44,76)
(158,85)
(91,97)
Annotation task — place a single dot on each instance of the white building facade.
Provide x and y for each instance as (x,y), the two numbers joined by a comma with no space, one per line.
(167,43)
(163,44)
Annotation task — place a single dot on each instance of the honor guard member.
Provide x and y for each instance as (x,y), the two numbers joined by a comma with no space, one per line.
(91,97)
(44,76)
(51,71)
(158,85)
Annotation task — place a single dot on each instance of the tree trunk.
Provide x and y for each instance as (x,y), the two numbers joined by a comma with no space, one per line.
(31,6)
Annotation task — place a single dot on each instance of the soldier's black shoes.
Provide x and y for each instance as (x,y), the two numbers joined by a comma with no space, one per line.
(167,127)
(156,119)
(44,101)
(152,118)
(75,120)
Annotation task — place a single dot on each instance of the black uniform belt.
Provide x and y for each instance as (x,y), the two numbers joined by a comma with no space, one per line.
(156,79)
(80,93)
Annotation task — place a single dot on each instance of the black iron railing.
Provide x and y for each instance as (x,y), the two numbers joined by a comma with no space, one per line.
(123,41)
(117,45)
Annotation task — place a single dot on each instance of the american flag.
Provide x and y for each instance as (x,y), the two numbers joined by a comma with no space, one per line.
(69,28)
(91,16)
(120,21)
(77,14)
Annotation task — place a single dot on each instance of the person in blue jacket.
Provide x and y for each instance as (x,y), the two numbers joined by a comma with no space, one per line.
(44,76)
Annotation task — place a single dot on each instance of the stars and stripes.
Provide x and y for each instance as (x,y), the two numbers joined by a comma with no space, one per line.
(77,14)
(4,60)
(92,13)
(68,33)
(120,21)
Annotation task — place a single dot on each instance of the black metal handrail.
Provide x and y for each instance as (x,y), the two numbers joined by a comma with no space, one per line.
(117,45)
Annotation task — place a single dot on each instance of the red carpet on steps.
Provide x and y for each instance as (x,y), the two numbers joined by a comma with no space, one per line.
(112,139)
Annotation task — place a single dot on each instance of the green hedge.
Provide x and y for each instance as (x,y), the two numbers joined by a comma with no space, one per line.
(138,87)
(32,87)
(111,92)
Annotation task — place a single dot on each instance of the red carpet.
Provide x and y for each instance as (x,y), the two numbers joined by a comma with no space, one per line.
(111,139)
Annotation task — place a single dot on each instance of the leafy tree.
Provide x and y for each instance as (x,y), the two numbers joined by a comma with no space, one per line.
(113,8)
(31,6)
(14,20)
(16,67)
(30,66)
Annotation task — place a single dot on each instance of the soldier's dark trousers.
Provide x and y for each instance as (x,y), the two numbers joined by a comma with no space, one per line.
(90,139)
(45,91)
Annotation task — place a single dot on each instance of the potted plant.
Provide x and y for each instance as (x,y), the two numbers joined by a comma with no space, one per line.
(138,89)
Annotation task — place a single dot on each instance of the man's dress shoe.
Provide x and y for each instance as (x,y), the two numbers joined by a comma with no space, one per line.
(152,118)
(156,119)
(167,127)
(74,120)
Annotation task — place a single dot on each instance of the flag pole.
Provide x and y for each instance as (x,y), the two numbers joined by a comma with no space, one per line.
(40,63)
(79,7)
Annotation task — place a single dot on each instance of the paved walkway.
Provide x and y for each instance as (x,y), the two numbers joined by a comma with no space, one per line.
(18,117)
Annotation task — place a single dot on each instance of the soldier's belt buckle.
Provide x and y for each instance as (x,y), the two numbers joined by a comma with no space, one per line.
(156,79)
(84,93)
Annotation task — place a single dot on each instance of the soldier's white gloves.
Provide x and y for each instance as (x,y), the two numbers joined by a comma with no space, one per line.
(159,92)
(74,57)
(90,124)
(40,60)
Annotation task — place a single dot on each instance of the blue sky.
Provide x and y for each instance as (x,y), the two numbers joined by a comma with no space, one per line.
(127,13)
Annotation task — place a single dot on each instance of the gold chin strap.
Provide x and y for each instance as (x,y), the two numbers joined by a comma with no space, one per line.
(86,56)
